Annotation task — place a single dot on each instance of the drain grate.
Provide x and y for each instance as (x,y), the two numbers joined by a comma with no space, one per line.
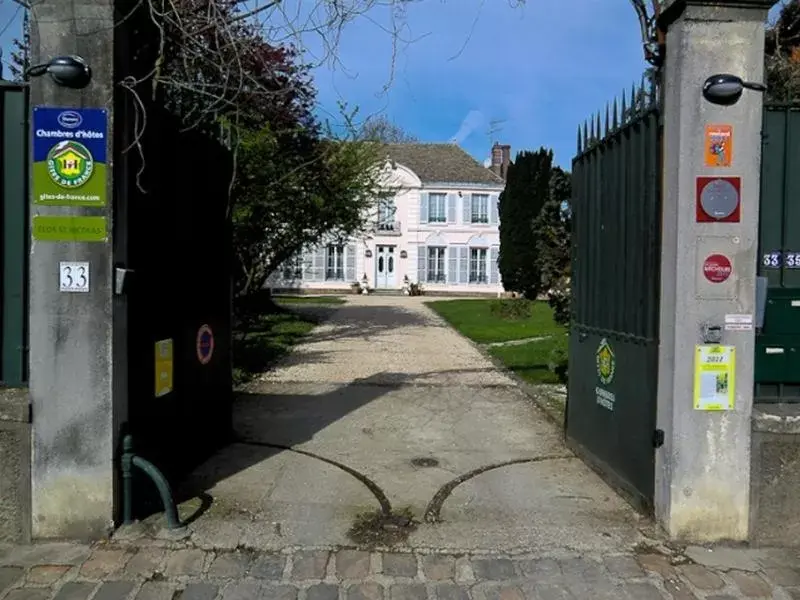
(424,462)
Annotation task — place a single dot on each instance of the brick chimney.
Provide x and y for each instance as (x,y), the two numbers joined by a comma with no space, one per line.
(501,158)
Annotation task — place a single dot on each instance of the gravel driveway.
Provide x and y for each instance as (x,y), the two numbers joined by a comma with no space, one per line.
(385,405)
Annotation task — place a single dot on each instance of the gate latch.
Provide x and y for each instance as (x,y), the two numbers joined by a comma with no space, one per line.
(658,438)
(122,280)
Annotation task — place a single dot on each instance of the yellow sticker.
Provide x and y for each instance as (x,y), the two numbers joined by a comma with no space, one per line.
(714,377)
(163,367)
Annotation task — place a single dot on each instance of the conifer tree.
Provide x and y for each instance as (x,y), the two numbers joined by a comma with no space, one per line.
(527,190)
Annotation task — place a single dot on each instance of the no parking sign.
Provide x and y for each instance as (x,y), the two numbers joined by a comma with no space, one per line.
(205,344)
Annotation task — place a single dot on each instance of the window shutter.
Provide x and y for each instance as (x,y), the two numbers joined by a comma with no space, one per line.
(494,271)
(309,257)
(493,210)
(466,208)
(451,208)
(423,207)
(463,265)
(350,263)
(319,264)
(421,263)
(452,264)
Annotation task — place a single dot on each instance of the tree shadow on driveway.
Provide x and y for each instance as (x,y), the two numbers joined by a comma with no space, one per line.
(365,321)
(276,417)
(268,424)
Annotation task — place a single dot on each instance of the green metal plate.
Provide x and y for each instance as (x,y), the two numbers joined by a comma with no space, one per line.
(782,313)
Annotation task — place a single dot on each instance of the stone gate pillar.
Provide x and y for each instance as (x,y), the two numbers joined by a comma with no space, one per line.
(75,419)
(708,263)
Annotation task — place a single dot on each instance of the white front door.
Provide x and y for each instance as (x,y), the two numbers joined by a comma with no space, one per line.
(385,265)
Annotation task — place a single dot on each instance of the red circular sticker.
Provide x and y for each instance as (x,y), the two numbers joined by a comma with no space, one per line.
(205,344)
(717,268)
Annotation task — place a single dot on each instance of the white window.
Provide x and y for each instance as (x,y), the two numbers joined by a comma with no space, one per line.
(386,214)
(480,208)
(436,264)
(293,268)
(334,262)
(477,265)
(437,208)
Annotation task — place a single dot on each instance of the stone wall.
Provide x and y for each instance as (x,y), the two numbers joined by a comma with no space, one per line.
(15,466)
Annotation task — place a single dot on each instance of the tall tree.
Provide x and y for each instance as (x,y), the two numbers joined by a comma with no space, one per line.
(553,229)
(285,202)
(381,129)
(295,183)
(782,54)
(527,189)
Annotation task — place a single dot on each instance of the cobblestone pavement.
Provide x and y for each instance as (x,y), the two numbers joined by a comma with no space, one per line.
(115,572)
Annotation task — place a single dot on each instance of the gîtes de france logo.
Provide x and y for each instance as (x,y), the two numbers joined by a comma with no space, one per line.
(70,119)
(70,164)
(606,363)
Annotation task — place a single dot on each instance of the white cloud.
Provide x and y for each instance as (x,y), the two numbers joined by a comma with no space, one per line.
(474,120)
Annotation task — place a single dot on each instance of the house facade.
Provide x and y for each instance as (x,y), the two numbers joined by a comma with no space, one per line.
(439,228)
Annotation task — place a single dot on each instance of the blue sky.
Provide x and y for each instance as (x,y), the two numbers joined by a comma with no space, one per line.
(10,27)
(477,71)
(482,71)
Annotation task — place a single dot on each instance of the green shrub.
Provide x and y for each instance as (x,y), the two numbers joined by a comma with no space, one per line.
(559,362)
(511,308)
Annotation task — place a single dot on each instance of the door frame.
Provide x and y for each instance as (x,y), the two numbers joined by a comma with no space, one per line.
(393,283)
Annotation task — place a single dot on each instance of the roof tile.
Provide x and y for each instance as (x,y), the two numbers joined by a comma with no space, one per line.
(441,163)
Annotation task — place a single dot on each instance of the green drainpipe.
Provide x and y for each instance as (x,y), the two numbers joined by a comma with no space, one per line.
(130,460)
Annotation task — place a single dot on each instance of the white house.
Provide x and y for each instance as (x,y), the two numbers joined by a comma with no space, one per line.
(440,229)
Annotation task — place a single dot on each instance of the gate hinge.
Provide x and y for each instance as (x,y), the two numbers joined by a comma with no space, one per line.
(658,438)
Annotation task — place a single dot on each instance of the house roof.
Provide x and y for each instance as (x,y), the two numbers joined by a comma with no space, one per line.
(441,163)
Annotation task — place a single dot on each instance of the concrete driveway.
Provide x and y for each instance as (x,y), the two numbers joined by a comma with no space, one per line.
(385,410)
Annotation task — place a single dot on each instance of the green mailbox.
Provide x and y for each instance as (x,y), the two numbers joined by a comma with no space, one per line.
(777,359)
(782,312)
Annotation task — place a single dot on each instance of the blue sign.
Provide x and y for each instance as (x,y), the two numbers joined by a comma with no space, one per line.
(776,260)
(70,148)
(791,260)
(771,260)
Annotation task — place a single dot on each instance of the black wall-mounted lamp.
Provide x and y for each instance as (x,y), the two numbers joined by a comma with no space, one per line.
(66,71)
(725,89)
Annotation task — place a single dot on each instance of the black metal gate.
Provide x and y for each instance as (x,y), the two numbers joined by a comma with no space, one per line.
(613,362)
(14,237)
(173,312)
(777,352)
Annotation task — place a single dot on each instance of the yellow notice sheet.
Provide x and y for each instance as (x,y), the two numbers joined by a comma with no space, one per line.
(164,354)
(714,377)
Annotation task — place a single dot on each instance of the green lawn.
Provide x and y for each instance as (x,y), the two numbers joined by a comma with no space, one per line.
(531,361)
(308,300)
(268,338)
(475,319)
